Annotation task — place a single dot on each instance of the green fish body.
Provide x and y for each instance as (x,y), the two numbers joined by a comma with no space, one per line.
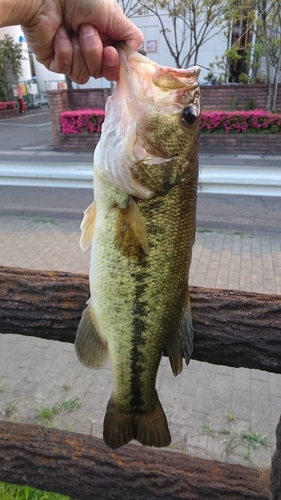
(141,229)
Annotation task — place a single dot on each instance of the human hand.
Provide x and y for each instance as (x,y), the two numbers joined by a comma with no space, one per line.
(75,37)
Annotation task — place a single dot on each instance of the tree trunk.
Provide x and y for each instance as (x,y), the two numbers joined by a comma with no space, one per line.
(84,468)
(276,79)
(239,329)
(267,58)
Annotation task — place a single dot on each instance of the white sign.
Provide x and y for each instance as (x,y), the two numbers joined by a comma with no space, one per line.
(151,46)
(32,88)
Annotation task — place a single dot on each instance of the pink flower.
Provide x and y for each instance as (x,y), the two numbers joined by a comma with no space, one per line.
(240,121)
(7,105)
(84,121)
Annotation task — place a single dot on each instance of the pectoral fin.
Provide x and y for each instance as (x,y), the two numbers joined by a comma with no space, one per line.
(88,226)
(181,344)
(130,231)
(90,348)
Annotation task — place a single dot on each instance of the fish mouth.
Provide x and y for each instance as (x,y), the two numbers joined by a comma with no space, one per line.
(145,94)
(138,70)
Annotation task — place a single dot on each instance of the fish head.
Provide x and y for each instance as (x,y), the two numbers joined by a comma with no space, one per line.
(149,138)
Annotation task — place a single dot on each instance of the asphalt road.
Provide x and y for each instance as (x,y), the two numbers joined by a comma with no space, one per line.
(28,138)
(238,213)
(28,130)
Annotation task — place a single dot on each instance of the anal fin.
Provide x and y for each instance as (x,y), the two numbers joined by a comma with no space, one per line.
(181,344)
(91,349)
(88,226)
(130,231)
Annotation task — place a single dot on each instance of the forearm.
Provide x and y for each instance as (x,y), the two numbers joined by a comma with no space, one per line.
(13,12)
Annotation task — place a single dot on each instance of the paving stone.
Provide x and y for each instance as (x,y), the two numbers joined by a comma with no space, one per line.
(203,399)
(37,372)
(240,404)
(242,379)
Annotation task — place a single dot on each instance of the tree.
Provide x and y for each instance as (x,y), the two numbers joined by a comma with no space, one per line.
(10,66)
(269,36)
(129,7)
(192,24)
(265,22)
(219,72)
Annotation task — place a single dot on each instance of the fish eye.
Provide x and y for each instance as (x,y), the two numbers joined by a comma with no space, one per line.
(189,116)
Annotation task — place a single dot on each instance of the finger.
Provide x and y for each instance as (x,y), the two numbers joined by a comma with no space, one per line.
(110,21)
(79,71)
(110,63)
(120,28)
(63,52)
(91,48)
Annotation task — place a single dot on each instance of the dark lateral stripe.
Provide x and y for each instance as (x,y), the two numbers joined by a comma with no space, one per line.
(139,326)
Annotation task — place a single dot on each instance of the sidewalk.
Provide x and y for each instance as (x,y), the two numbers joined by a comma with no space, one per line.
(36,374)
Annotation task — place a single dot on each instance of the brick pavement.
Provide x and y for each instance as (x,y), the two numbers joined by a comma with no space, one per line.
(36,373)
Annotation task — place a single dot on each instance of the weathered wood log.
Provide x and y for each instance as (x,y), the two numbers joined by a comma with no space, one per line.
(84,468)
(275,476)
(239,329)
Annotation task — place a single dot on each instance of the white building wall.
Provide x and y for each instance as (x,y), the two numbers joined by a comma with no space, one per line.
(156,48)
(46,80)
(154,45)
(151,29)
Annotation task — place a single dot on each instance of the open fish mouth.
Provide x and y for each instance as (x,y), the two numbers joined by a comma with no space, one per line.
(143,91)
(141,77)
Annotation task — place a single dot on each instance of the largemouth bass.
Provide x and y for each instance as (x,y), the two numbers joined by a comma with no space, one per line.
(141,227)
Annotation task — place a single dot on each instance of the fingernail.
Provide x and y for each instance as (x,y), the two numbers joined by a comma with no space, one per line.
(61,32)
(87,30)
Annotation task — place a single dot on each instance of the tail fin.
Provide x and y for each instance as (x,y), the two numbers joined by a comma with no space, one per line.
(150,429)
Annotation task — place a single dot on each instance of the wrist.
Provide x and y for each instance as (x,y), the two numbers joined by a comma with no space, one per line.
(15,12)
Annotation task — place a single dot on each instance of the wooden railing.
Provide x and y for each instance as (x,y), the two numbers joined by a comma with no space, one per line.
(238,329)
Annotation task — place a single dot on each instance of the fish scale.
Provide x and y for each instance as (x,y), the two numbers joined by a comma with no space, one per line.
(141,252)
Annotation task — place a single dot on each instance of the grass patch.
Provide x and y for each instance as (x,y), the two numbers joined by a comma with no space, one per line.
(11,410)
(16,492)
(233,438)
(47,413)
(69,404)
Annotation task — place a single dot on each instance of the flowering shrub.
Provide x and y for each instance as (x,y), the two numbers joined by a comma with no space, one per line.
(7,105)
(237,122)
(84,121)
(89,121)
